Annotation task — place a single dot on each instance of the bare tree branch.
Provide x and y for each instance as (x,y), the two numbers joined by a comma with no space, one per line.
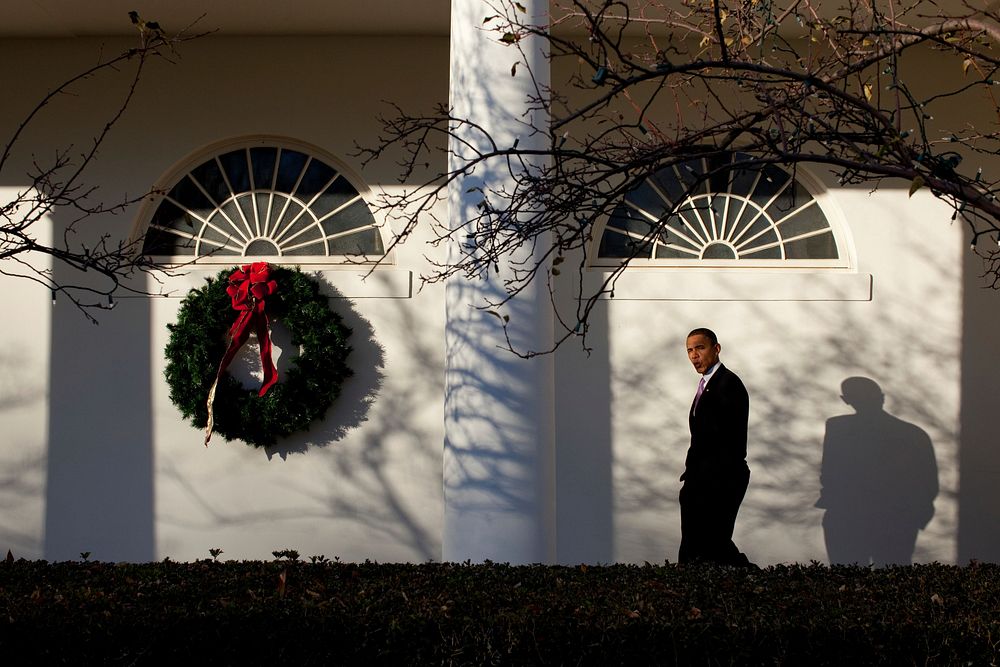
(58,184)
(659,84)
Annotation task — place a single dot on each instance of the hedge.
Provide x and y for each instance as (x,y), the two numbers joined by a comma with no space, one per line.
(288,612)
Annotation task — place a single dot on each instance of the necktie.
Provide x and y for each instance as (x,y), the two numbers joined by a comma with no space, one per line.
(697,396)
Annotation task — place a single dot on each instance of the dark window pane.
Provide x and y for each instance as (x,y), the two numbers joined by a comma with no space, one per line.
(289,168)
(760,225)
(168,215)
(354,216)
(314,180)
(235,223)
(339,193)
(648,199)
(666,252)
(158,242)
(366,242)
(676,181)
(773,252)
(754,249)
(821,246)
(286,227)
(790,199)
(246,206)
(263,160)
(718,251)
(628,219)
(235,164)
(807,220)
(616,244)
(187,194)
(263,201)
(210,178)
(311,236)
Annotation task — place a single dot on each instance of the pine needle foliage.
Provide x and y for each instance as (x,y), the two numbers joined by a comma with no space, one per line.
(303,394)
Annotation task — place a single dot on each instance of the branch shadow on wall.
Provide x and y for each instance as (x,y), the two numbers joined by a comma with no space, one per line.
(351,407)
(360,480)
(23,472)
(879,480)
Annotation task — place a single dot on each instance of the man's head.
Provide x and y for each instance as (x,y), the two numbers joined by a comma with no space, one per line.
(703,349)
(862,394)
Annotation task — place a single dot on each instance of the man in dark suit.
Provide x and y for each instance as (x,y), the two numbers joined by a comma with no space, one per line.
(715,472)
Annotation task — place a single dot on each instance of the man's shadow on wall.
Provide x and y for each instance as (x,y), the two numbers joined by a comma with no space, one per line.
(879,479)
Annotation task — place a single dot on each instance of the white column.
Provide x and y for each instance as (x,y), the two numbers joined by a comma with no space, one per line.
(499,494)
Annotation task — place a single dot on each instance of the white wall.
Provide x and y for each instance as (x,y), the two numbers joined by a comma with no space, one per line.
(106,464)
(921,333)
(24,405)
(127,478)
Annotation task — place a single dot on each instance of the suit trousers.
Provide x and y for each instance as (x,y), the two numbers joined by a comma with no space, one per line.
(709,505)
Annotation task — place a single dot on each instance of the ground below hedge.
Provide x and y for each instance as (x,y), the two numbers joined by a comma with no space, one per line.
(297,613)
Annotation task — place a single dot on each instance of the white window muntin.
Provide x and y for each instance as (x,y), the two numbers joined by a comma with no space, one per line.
(256,220)
(702,227)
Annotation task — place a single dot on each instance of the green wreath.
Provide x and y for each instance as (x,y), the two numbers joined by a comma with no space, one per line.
(314,380)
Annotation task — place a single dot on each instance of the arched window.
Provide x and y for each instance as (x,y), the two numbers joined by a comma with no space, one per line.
(265,198)
(736,216)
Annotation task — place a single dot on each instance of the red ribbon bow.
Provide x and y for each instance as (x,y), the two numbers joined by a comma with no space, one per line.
(248,287)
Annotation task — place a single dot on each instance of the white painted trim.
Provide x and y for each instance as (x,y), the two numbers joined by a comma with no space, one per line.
(707,285)
(349,282)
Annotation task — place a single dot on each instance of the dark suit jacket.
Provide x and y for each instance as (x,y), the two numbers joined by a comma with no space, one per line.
(718,429)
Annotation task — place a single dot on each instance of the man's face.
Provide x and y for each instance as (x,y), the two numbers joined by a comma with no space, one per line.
(702,353)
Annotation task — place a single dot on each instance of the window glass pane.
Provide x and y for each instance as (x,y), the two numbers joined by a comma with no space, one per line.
(645,197)
(316,178)
(354,216)
(222,240)
(616,244)
(263,160)
(628,219)
(339,193)
(671,252)
(806,220)
(773,252)
(187,194)
(232,222)
(168,215)
(293,220)
(743,181)
(675,181)
(755,230)
(235,164)
(158,242)
(822,246)
(678,233)
(245,203)
(720,169)
(364,242)
(718,251)
(790,199)
(289,168)
(314,240)
(264,206)
(210,178)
